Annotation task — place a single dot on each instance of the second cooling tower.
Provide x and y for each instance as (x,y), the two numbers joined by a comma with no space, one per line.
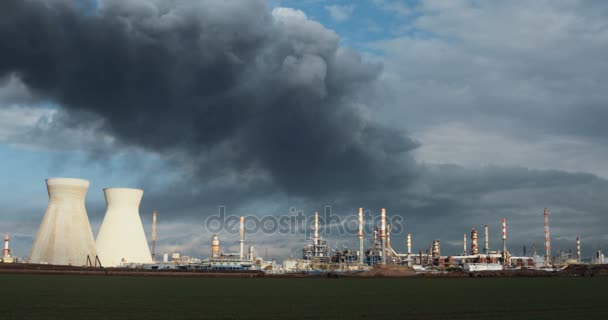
(121,237)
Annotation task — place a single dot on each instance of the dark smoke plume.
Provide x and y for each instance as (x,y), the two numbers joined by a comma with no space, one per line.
(227,87)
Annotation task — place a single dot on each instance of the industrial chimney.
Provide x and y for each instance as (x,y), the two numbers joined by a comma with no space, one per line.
(409,248)
(315,238)
(361,236)
(65,236)
(388,236)
(242,232)
(504,241)
(578,249)
(154,235)
(7,251)
(464,244)
(121,237)
(383,234)
(547,239)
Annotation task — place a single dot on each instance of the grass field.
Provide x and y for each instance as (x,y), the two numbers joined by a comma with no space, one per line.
(101,297)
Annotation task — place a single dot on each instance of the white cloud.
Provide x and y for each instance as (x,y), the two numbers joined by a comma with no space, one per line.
(17,120)
(340,13)
(505,83)
(465,145)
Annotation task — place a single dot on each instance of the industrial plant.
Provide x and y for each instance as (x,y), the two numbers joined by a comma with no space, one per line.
(65,238)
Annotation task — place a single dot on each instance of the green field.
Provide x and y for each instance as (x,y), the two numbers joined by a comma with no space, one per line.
(104,297)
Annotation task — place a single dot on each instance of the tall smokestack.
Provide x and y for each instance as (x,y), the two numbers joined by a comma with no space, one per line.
(242,232)
(7,251)
(547,239)
(383,234)
(504,241)
(154,235)
(409,247)
(464,247)
(315,238)
(388,236)
(578,249)
(474,250)
(486,246)
(361,254)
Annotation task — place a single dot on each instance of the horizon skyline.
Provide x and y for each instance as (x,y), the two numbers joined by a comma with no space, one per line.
(449,114)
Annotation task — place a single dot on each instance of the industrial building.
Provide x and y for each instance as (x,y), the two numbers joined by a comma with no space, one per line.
(318,250)
(380,251)
(65,236)
(230,261)
(121,238)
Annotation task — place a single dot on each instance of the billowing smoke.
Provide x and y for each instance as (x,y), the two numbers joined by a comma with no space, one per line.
(226,88)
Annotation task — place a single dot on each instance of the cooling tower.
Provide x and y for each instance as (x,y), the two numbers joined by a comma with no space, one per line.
(64,236)
(121,237)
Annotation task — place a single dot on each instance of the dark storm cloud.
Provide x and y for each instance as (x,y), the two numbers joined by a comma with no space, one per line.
(226,88)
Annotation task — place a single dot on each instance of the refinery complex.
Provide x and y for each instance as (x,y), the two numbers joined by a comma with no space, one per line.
(65,238)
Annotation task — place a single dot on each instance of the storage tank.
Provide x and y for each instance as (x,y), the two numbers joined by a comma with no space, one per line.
(121,237)
(65,236)
(215,247)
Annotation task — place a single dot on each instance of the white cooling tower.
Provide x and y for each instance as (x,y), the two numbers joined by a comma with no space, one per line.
(64,236)
(121,237)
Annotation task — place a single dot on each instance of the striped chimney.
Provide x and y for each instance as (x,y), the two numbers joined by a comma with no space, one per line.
(242,232)
(7,251)
(315,238)
(578,249)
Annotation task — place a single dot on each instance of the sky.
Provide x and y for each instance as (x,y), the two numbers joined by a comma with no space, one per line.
(450,114)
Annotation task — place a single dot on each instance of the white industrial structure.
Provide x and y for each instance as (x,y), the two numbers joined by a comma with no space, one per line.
(121,238)
(65,236)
